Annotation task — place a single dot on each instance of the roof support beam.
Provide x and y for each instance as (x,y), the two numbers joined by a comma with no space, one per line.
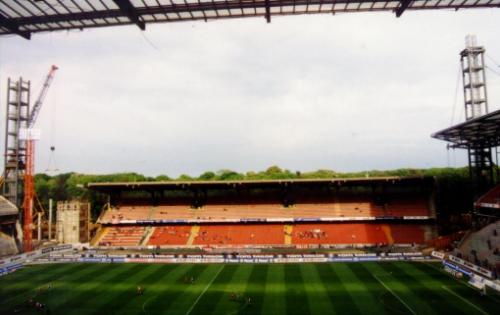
(128,9)
(268,11)
(402,7)
(13,27)
(199,10)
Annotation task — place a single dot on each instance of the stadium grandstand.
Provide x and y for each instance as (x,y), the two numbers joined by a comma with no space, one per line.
(337,212)
(490,200)
(482,247)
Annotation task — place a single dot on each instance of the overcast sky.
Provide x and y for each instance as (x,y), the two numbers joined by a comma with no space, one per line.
(348,92)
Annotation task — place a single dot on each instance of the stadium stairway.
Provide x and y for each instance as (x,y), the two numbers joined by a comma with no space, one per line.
(99,235)
(152,211)
(388,233)
(195,229)
(147,235)
(288,229)
(337,210)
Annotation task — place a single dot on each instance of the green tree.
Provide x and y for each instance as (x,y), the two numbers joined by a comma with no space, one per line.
(185,177)
(207,176)
(229,175)
(162,178)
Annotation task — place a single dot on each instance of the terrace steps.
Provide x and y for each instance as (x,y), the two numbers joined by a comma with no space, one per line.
(147,236)
(388,233)
(193,234)
(102,231)
(288,234)
(151,212)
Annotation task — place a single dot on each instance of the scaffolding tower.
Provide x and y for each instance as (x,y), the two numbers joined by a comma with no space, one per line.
(481,166)
(18,100)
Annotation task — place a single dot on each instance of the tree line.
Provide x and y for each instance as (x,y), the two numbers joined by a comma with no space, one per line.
(69,186)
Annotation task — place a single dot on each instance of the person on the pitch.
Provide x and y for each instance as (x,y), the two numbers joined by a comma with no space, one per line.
(140,290)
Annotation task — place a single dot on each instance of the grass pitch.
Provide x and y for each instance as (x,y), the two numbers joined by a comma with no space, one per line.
(337,288)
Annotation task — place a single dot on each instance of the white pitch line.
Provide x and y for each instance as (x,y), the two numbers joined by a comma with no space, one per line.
(144,304)
(205,290)
(397,297)
(491,297)
(465,300)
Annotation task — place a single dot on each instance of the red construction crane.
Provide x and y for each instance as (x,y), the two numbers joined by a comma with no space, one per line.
(29,179)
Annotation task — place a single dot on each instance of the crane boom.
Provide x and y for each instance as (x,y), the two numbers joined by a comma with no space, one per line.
(41,97)
(29,179)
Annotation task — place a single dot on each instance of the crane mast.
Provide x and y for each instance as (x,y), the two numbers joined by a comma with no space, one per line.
(29,179)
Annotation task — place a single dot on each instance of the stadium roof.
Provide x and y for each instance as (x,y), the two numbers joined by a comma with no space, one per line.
(23,17)
(7,207)
(158,185)
(481,132)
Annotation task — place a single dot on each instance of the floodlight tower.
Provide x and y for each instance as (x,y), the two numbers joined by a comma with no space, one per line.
(476,105)
(19,168)
(16,119)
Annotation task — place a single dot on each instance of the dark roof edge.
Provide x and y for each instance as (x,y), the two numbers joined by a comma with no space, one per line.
(105,185)
(465,123)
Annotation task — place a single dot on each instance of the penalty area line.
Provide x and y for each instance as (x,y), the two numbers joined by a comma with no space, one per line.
(465,300)
(395,295)
(204,290)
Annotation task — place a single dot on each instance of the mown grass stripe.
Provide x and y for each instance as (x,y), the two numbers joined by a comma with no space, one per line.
(186,294)
(434,266)
(119,292)
(316,293)
(215,290)
(255,290)
(18,278)
(83,295)
(205,290)
(395,295)
(431,291)
(236,284)
(37,276)
(19,286)
(168,288)
(90,289)
(295,295)
(128,300)
(388,299)
(340,298)
(274,291)
(465,300)
(488,303)
(364,293)
(406,286)
(58,283)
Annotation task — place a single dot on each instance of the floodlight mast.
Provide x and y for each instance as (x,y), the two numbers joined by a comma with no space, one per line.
(29,179)
(476,105)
